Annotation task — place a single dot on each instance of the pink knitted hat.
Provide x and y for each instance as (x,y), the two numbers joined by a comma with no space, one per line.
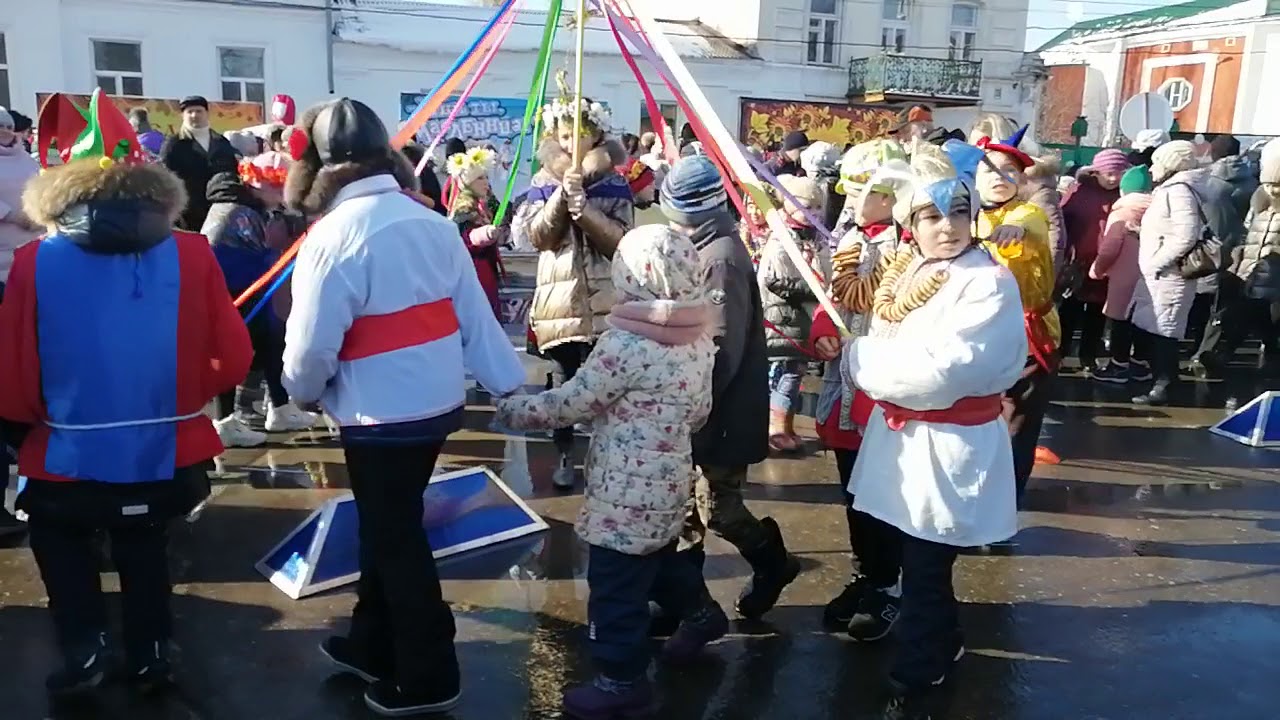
(1110,160)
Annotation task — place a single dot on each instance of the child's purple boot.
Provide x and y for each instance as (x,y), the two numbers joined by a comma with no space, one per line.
(607,699)
(696,632)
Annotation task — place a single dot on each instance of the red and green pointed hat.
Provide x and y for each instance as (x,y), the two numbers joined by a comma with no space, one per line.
(101,132)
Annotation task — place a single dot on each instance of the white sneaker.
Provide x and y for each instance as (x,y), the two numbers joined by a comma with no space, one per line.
(235,433)
(287,418)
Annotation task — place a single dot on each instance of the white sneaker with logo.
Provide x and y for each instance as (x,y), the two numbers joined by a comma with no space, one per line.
(287,418)
(233,432)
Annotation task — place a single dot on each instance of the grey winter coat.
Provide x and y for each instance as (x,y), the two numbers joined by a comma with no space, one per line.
(737,431)
(1242,177)
(1171,227)
(789,304)
(1257,260)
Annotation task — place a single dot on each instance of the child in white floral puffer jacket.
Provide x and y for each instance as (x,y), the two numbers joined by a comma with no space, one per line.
(645,387)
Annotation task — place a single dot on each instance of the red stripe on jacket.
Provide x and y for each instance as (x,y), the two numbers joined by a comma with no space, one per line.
(417,325)
(213,354)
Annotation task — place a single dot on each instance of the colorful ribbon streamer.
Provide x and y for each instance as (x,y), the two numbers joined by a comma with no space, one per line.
(708,143)
(461,101)
(533,106)
(443,89)
(266,297)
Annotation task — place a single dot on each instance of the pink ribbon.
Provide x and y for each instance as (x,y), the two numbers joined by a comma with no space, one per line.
(713,152)
(664,71)
(492,52)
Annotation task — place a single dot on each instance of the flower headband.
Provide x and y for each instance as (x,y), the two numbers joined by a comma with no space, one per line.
(595,116)
(268,169)
(472,164)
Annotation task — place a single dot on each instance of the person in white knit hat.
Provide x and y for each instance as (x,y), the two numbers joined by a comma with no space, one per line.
(1252,281)
(946,340)
(1171,228)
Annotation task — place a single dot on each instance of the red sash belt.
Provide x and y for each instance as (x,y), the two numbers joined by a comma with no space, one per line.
(1039,343)
(968,411)
(377,334)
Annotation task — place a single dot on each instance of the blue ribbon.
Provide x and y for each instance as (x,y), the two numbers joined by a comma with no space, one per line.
(270,291)
(502,10)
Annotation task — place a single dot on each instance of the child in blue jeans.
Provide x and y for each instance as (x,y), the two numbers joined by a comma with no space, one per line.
(789,306)
(646,386)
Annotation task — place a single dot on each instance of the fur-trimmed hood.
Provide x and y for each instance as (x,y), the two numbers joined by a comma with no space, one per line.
(120,209)
(312,185)
(52,193)
(600,161)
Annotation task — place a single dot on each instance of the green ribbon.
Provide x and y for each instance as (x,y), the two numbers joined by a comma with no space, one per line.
(533,107)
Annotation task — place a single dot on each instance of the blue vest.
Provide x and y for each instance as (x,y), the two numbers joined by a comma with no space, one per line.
(107,339)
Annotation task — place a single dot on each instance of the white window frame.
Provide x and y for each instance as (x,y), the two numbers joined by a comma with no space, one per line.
(963,39)
(5,97)
(817,25)
(1181,82)
(242,81)
(899,28)
(117,75)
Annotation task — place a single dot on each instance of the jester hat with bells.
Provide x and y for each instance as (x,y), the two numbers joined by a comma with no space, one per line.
(101,132)
(933,176)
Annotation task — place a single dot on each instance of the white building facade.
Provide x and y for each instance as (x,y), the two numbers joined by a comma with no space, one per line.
(903,51)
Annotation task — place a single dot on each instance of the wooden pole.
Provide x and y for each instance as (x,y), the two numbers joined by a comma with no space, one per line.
(579,109)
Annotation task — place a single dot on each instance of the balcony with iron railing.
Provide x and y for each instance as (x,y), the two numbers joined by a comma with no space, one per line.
(887,77)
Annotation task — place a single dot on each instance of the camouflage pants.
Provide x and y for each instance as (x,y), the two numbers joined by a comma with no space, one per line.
(717,505)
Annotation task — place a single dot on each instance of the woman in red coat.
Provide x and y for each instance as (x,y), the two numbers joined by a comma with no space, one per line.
(1085,212)
(472,208)
(115,332)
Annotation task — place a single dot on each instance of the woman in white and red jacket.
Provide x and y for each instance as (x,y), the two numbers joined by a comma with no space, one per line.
(387,318)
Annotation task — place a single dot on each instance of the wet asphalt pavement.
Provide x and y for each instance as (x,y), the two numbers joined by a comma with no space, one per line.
(1144,584)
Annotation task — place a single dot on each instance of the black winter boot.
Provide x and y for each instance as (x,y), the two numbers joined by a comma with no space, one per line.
(773,568)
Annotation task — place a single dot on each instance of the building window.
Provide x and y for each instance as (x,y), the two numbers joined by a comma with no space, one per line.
(4,73)
(670,113)
(893,29)
(117,67)
(824,24)
(1178,92)
(243,74)
(964,31)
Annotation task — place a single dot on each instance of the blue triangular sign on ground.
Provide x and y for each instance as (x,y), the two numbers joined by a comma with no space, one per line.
(1257,424)
(462,511)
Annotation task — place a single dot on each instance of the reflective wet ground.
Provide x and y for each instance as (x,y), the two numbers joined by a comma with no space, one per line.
(1144,584)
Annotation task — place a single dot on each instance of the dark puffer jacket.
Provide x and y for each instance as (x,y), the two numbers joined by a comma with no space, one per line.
(1256,261)
(737,431)
(789,304)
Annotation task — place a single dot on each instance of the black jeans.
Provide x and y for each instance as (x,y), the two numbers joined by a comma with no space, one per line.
(65,553)
(618,607)
(876,544)
(1235,316)
(929,624)
(267,336)
(1089,320)
(569,356)
(1161,352)
(1121,341)
(1029,400)
(1199,317)
(400,617)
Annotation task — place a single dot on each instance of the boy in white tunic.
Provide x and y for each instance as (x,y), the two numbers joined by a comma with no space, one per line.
(946,340)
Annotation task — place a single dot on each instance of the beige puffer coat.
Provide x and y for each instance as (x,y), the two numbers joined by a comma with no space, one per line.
(574,291)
